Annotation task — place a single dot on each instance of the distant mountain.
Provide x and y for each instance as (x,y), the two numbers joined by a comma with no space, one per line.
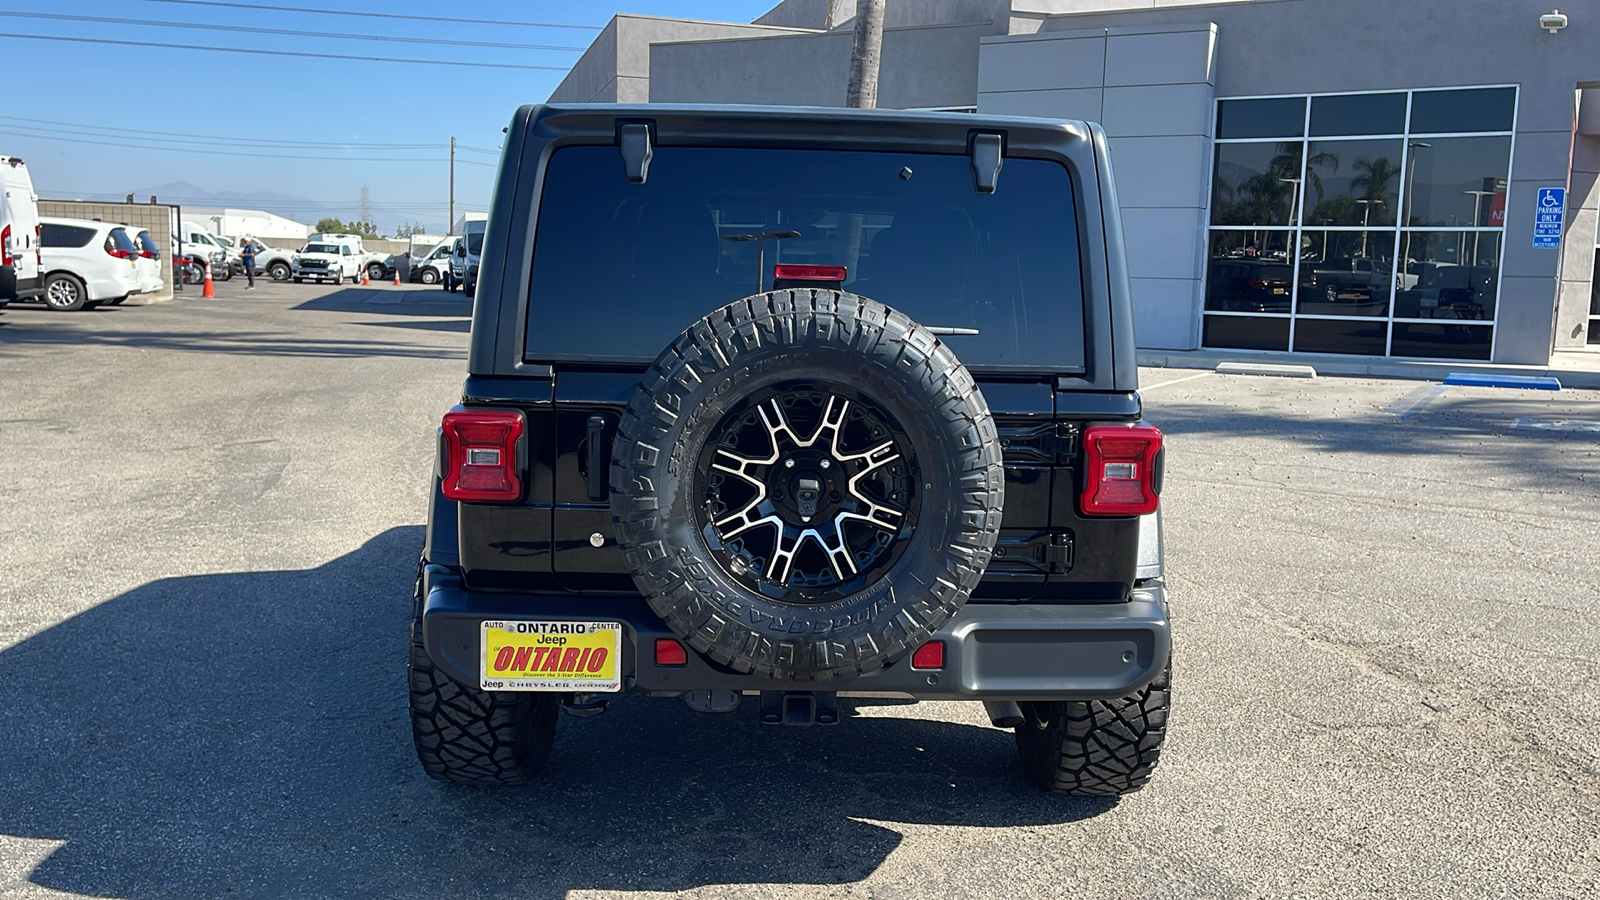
(289,206)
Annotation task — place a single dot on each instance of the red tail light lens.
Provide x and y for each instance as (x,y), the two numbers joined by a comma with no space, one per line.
(809,273)
(1120,477)
(5,247)
(670,653)
(929,656)
(1257,283)
(480,449)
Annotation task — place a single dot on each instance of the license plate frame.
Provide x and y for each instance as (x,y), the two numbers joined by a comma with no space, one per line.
(530,654)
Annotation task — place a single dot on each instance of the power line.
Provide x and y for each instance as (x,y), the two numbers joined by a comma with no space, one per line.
(258,7)
(246,29)
(77,139)
(190,138)
(342,58)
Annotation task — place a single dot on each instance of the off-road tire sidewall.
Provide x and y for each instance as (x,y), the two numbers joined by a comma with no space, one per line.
(802,335)
(467,736)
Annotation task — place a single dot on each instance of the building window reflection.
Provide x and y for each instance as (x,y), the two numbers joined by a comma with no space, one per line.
(1373,226)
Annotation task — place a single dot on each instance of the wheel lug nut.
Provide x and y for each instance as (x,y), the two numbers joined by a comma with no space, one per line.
(788,464)
(826,463)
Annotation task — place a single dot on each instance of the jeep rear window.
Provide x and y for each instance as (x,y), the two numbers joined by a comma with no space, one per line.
(620,269)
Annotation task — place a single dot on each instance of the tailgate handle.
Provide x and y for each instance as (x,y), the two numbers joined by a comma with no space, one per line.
(597,481)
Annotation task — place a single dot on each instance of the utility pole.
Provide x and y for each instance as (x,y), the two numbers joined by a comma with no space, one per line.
(450,223)
(866,55)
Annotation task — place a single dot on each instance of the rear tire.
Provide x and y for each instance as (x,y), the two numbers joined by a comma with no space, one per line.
(280,271)
(225,275)
(467,736)
(1096,747)
(429,276)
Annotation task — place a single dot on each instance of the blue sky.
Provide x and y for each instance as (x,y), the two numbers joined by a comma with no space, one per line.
(85,103)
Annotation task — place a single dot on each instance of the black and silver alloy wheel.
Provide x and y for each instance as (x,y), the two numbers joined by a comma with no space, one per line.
(64,293)
(808,492)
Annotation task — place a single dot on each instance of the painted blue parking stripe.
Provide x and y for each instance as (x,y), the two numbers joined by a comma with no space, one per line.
(1529,382)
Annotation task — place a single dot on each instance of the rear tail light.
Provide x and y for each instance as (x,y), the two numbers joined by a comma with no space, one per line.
(1120,478)
(5,247)
(809,273)
(1256,283)
(480,449)
(119,254)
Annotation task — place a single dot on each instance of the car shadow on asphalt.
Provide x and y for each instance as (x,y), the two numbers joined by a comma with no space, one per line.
(436,302)
(246,734)
(245,343)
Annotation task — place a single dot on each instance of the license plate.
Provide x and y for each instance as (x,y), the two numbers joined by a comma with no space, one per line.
(1280,290)
(551,656)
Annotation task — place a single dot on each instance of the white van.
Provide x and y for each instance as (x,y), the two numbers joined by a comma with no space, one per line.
(206,247)
(19,233)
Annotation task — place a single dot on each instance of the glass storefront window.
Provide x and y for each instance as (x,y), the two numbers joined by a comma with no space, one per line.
(1358,114)
(1345,273)
(1246,332)
(1451,112)
(1457,182)
(1352,182)
(1384,212)
(1254,183)
(1594,301)
(1271,117)
(1448,275)
(1249,271)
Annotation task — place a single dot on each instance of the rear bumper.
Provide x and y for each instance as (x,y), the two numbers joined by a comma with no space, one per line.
(992,651)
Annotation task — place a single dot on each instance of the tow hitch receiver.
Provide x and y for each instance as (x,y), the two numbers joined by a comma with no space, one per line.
(799,708)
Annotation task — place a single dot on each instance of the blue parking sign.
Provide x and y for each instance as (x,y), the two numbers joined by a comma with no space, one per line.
(1547,215)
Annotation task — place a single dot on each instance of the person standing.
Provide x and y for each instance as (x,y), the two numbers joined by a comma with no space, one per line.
(247,254)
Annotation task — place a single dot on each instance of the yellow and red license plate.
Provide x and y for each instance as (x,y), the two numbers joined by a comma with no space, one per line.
(544,655)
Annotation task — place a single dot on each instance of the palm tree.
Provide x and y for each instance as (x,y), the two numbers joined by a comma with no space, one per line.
(1375,178)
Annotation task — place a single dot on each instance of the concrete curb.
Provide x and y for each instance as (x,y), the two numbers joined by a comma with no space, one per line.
(1585,377)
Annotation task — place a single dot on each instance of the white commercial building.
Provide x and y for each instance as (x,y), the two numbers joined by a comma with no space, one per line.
(270,229)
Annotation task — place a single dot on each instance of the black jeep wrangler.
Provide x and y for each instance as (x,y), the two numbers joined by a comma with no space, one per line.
(776,406)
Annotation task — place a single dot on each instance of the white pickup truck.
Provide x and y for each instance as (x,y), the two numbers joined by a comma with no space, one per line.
(327,260)
(374,263)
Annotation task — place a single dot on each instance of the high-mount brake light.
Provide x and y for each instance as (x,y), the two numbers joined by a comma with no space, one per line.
(1120,476)
(809,273)
(481,455)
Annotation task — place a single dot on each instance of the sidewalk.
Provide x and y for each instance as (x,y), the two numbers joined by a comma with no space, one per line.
(1573,368)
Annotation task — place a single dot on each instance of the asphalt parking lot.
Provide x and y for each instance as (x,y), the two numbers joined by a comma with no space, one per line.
(1387,672)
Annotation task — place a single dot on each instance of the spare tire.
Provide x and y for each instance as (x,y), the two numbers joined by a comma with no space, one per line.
(806,485)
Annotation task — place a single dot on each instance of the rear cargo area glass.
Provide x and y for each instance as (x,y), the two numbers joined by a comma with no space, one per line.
(620,269)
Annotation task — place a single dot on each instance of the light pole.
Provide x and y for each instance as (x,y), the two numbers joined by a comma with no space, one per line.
(1411,176)
(761,248)
(1477,202)
(1294,200)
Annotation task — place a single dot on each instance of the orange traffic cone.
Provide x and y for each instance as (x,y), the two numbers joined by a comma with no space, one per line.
(396,277)
(207,292)
(365,281)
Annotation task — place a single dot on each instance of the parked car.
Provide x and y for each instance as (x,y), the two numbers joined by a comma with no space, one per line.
(19,233)
(147,262)
(326,261)
(1248,285)
(272,262)
(430,266)
(464,262)
(86,263)
(800,493)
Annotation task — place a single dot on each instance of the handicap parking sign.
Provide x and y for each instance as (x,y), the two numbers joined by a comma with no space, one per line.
(1547,215)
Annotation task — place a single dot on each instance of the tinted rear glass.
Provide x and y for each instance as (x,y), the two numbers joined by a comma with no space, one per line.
(123,241)
(148,244)
(620,269)
(64,235)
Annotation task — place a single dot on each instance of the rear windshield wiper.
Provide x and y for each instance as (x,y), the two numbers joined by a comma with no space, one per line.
(949,329)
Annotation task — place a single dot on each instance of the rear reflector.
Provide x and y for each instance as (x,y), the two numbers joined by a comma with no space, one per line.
(809,273)
(670,653)
(481,455)
(929,656)
(1120,475)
